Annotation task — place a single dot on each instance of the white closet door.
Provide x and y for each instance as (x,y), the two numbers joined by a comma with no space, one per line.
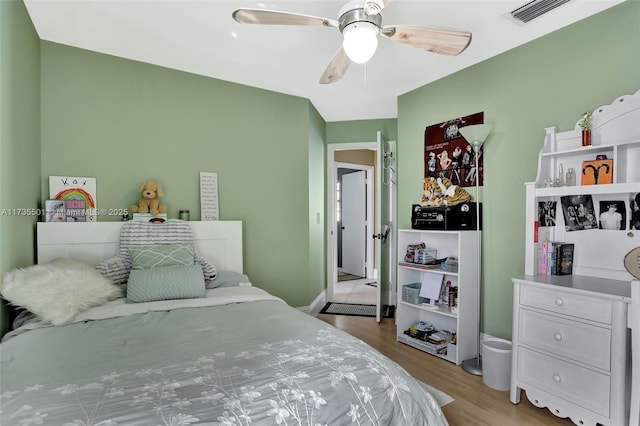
(354,232)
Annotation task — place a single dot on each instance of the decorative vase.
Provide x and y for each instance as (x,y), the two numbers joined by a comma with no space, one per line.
(586,137)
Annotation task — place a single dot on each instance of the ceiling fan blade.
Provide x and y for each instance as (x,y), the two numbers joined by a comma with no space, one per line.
(336,68)
(445,41)
(373,7)
(273,17)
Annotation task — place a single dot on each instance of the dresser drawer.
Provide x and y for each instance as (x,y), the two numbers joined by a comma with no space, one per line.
(581,342)
(570,382)
(576,305)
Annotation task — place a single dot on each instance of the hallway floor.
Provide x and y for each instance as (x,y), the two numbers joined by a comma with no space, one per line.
(355,291)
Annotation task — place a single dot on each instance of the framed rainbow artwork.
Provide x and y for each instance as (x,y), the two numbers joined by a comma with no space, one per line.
(79,193)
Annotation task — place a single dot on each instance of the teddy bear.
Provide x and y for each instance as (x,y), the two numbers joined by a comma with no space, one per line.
(150,193)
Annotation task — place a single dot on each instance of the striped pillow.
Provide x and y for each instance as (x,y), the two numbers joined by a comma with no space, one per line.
(116,269)
(134,234)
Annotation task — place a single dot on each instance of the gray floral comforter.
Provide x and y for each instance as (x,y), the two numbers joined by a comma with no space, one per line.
(247,360)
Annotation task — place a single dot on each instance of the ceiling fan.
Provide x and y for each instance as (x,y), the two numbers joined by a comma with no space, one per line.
(360,23)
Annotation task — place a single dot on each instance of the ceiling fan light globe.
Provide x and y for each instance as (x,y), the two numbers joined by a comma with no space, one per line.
(360,41)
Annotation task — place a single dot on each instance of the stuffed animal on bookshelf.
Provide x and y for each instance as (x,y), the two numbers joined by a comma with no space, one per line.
(442,192)
(429,193)
(149,202)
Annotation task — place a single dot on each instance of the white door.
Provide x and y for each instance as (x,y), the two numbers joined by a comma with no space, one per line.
(383,288)
(354,223)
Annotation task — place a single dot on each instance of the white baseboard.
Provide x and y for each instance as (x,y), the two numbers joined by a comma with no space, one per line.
(318,303)
(316,306)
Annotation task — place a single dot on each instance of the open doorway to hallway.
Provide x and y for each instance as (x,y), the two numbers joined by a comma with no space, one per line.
(381,238)
(354,196)
(355,192)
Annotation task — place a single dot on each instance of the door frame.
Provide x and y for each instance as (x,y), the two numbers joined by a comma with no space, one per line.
(369,170)
(332,239)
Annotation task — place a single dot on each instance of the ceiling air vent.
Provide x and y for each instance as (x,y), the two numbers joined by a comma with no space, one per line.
(534,9)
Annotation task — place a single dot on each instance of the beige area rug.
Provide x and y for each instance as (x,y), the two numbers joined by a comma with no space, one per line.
(442,398)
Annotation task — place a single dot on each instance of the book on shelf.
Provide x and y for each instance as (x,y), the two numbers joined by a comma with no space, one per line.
(148,217)
(430,347)
(437,338)
(419,266)
(555,258)
(564,259)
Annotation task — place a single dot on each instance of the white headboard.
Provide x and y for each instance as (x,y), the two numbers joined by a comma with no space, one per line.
(93,242)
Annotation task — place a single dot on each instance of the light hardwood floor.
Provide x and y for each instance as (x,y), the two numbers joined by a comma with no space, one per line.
(474,404)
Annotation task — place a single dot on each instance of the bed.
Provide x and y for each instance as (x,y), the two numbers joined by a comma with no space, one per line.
(235,356)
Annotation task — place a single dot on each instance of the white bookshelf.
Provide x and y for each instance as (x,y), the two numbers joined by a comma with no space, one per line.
(462,244)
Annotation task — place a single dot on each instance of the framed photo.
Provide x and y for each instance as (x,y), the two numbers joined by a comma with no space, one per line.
(612,215)
(547,213)
(578,212)
(634,206)
(55,211)
(80,195)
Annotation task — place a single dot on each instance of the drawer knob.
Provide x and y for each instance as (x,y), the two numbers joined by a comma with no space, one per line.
(559,301)
(557,336)
(557,378)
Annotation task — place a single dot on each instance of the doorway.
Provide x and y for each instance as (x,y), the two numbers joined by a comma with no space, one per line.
(354,216)
(344,153)
(354,213)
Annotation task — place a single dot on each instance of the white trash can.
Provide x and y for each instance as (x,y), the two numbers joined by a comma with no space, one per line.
(496,363)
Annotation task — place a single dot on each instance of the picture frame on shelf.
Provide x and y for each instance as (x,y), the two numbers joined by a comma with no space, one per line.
(55,211)
(612,216)
(80,195)
(547,213)
(597,172)
(634,207)
(579,213)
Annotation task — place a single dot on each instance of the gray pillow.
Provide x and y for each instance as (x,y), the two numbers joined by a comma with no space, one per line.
(165,283)
(161,255)
(228,279)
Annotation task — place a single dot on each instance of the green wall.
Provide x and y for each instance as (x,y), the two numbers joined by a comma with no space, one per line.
(19,138)
(125,122)
(361,130)
(548,82)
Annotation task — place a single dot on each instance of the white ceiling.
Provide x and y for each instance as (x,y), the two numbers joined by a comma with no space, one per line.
(200,37)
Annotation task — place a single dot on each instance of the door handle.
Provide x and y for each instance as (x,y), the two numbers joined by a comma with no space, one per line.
(382,236)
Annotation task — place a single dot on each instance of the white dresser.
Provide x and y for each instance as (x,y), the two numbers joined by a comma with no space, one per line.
(571,344)
(570,347)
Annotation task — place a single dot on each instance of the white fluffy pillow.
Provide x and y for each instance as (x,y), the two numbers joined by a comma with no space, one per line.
(59,290)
